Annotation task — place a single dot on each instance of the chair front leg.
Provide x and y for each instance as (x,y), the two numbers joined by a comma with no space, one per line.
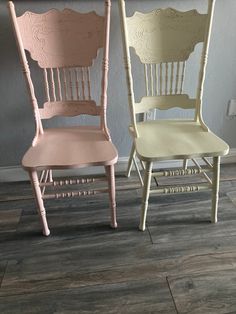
(130,162)
(110,171)
(215,188)
(146,192)
(39,201)
(185,164)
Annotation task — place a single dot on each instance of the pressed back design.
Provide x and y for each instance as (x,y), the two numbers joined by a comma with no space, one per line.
(165,35)
(62,39)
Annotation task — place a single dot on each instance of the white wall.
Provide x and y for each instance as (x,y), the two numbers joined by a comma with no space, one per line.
(16,121)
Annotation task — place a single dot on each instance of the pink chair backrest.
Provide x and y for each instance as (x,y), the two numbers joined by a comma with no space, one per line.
(64,44)
(65,38)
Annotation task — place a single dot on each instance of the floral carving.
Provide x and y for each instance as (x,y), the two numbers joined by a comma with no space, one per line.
(165,35)
(62,39)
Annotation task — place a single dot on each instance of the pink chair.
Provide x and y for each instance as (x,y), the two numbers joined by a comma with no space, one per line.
(65,45)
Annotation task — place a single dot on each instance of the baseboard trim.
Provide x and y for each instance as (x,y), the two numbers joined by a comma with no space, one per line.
(16,173)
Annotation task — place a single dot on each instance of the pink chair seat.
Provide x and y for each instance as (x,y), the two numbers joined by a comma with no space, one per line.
(69,148)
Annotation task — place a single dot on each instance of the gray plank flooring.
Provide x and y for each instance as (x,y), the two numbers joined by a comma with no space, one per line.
(207,292)
(181,264)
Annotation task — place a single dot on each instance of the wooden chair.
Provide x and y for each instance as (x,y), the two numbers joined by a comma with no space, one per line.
(163,41)
(65,45)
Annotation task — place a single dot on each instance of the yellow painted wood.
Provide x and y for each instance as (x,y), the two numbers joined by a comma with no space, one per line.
(215,188)
(176,139)
(165,35)
(146,192)
(164,102)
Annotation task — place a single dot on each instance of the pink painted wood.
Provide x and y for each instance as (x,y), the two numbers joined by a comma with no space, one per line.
(65,44)
(62,39)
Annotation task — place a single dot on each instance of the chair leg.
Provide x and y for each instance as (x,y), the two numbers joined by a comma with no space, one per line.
(110,171)
(130,163)
(146,192)
(50,176)
(185,164)
(39,201)
(138,171)
(215,188)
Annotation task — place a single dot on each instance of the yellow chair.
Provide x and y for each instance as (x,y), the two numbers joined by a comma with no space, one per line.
(163,41)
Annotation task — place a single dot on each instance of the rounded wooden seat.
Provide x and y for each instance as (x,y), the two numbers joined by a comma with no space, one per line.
(70,148)
(175,139)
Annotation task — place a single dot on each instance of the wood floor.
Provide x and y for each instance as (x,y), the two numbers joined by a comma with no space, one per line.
(181,264)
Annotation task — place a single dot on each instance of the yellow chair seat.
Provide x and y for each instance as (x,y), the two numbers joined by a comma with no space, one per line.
(175,139)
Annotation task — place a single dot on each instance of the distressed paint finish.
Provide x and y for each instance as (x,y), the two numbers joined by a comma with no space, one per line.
(65,44)
(163,40)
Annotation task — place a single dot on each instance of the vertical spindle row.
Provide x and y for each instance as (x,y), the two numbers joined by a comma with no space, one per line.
(67,84)
(164,78)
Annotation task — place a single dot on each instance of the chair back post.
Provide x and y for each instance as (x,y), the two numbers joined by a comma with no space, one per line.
(105,68)
(202,73)
(128,65)
(26,71)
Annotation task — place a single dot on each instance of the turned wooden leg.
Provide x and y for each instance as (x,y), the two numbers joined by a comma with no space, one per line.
(130,162)
(215,188)
(39,201)
(185,164)
(110,171)
(50,176)
(146,192)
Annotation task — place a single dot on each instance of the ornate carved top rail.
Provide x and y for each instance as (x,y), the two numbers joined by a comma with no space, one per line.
(165,35)
(62,38)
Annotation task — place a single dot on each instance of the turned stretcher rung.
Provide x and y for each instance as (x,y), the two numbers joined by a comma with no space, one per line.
(73,181)
(180,172)
(72,194)
(181,189)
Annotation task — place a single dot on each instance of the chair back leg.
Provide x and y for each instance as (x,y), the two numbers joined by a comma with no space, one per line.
(39,201)
(185,164)
(110,171)
(146,192)
(130,162)
(215,188)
